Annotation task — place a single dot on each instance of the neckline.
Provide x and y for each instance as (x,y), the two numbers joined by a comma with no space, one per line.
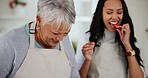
(108,36)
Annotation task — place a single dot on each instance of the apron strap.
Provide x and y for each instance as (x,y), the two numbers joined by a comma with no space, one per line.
(63,49)
(32,31)
(61,46)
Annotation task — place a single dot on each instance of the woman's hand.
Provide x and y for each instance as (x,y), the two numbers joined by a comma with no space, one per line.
(88,50)
(124,33)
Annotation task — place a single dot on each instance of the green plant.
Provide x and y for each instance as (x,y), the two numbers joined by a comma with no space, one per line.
(74,45)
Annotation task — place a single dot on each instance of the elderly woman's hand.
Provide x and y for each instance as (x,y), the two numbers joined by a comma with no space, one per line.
(88,50)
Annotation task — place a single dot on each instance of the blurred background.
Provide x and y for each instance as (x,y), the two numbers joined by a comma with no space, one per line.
(14,16)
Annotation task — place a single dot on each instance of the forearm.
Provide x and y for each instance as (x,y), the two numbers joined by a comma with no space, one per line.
(134,68)
(84,69)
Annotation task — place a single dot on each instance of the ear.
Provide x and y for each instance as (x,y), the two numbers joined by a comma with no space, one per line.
(38,20)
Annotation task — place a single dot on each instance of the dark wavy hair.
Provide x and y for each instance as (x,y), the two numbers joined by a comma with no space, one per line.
(97,28)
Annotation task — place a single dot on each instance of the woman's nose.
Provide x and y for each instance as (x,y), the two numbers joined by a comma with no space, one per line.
(115,16)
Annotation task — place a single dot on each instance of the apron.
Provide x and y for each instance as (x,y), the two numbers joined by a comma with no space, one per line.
(108,62)
(44,63)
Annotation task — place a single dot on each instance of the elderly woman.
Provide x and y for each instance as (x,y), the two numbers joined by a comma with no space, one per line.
(41,49)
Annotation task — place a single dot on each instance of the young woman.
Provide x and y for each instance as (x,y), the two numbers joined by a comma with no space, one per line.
(108,49)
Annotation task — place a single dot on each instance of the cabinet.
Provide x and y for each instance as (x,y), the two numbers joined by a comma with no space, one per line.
(84,10)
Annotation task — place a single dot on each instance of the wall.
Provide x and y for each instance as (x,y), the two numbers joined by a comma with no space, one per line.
(146,41)
(9,20)
(83,19)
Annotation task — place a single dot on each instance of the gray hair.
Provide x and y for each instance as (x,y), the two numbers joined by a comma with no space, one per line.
(57,12)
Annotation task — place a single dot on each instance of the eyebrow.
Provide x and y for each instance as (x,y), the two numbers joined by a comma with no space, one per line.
(60,32)
(53,31)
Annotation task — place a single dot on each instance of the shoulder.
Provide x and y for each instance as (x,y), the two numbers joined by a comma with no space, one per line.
(16,33)
(11,38)
(84,39)
(86,36)
(16,37)
(14,45)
